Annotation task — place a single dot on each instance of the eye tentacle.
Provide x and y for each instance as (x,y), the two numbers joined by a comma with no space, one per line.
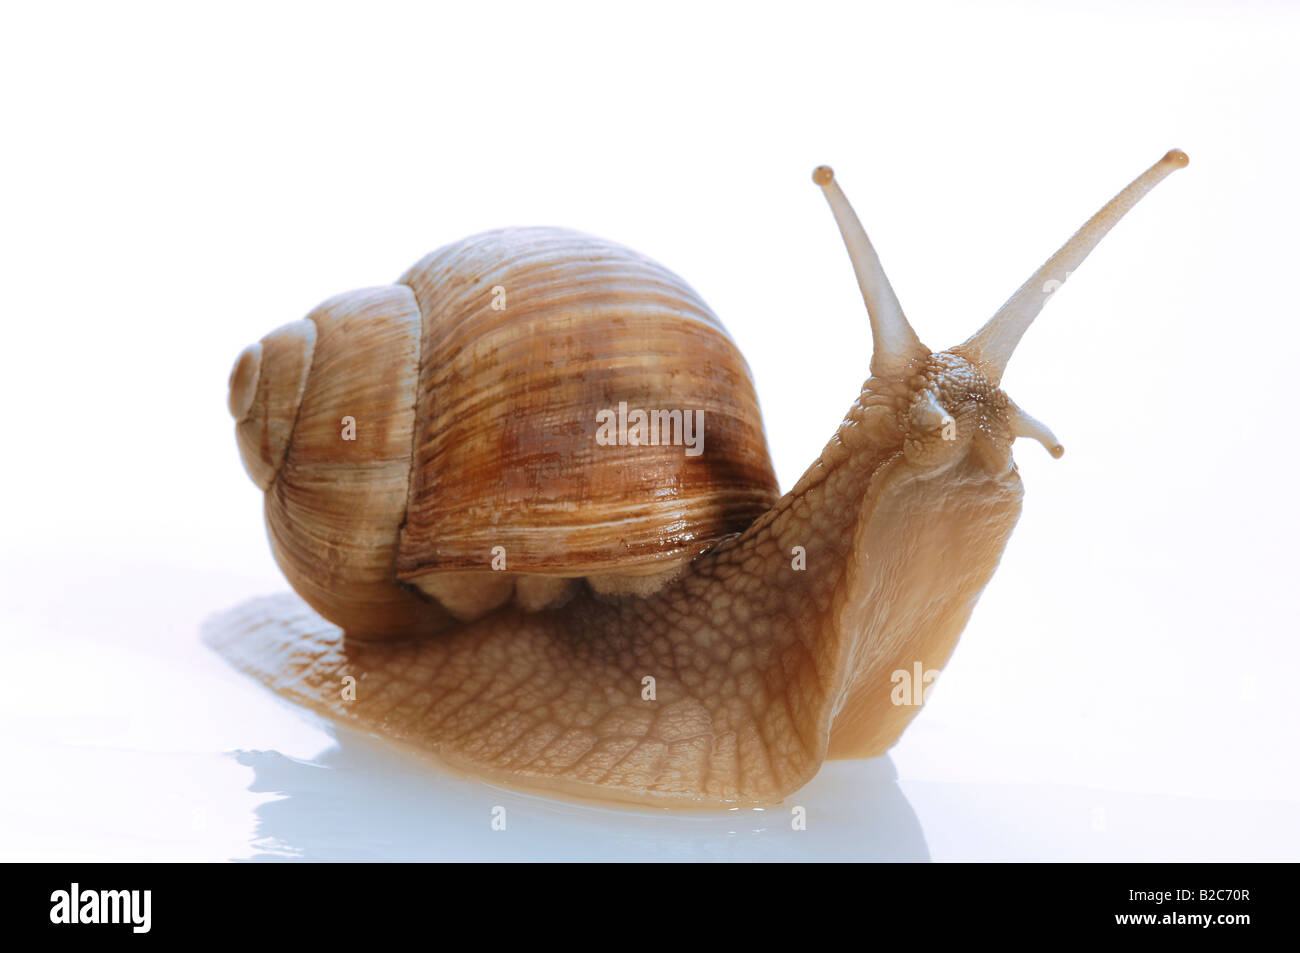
(1023,425)
(992,345)
(893,341)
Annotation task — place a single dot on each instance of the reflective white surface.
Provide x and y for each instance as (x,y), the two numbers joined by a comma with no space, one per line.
(180,183)
(126,739)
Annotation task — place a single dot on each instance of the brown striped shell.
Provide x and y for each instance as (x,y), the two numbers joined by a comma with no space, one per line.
(484,387)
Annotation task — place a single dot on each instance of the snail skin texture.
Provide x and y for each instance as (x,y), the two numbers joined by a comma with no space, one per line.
(481,577)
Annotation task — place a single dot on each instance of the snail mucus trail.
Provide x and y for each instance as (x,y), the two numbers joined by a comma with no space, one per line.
(624,561)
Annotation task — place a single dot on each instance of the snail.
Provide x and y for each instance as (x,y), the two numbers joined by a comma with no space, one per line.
(619,618)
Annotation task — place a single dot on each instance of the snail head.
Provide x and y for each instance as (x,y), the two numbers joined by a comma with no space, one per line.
(950,407)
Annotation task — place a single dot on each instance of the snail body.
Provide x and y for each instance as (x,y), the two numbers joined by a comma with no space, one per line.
(625,620)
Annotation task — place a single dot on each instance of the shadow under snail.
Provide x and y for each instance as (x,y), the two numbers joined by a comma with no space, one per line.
(618,618)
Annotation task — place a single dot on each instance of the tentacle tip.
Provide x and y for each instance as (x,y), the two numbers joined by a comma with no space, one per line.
(1177,158)
(823,175)
(1057,451)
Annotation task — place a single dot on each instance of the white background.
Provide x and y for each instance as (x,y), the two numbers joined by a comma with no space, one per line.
(176,183)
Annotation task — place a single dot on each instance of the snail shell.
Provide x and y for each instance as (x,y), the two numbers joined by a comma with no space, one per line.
(475,384)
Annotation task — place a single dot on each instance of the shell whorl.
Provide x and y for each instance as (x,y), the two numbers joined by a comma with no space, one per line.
(266,388)
(506,450)
(336,492)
